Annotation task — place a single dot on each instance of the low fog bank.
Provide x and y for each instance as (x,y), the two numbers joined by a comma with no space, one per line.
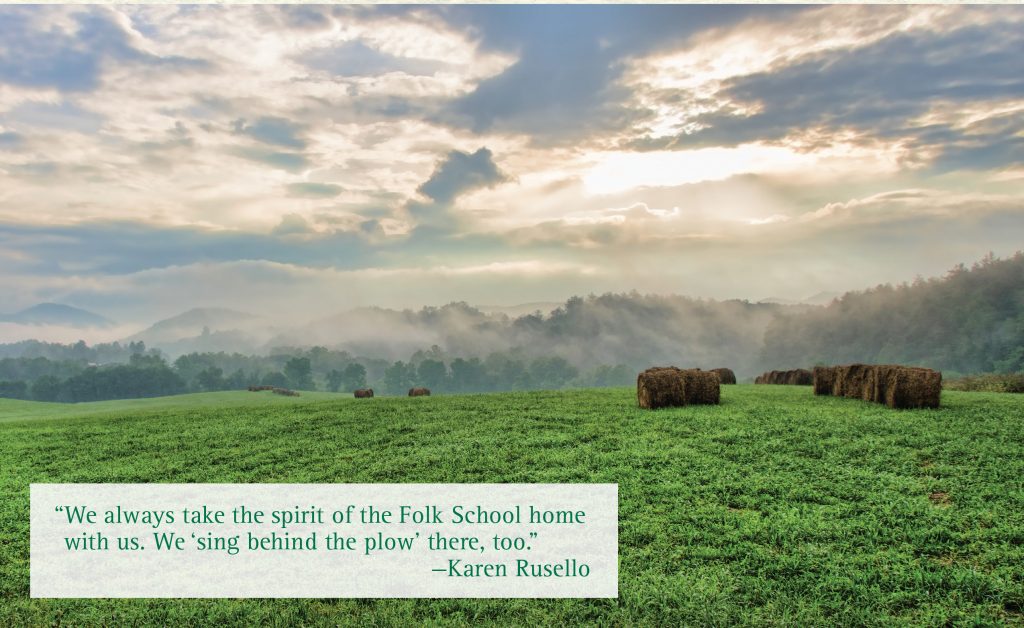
(631,329)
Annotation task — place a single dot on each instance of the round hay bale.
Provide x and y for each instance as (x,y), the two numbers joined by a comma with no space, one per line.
(363,393)
(725,376)
(419,392)
(700,387)
(660,387)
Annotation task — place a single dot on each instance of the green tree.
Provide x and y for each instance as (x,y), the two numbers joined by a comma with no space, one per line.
(433,374)
(46,388)
(398,378)
(236,381)
(211,379)
(354,377)
(467,375)
(552,373)
(299,373)
(334,379)
(276,378)
(14,390)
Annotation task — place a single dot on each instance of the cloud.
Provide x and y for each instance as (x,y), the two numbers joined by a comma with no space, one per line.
(460,172)
(65,116)
(10,139)
(292,224)
(355,58)
(68,51)
(878,90)
(275,131)
(565,84)
(314,190)
(292,162)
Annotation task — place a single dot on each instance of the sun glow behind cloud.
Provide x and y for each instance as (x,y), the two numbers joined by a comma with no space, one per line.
(619,171)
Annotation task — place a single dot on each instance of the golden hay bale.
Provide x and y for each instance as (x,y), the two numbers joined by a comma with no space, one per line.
(895,386)
(879,382)
(822,378)
(725,376)
(419,392)
(913,387)
(856,381)
(700,387)
(363,393)
(660,387)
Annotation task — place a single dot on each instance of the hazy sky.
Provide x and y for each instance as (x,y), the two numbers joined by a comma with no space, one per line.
(307,159)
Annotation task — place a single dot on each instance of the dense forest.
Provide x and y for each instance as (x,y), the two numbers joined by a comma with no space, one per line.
(970,321)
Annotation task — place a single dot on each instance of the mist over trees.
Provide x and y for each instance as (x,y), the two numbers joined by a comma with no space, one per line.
(969,321)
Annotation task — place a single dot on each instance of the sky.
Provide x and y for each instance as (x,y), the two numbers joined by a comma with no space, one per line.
(302,160)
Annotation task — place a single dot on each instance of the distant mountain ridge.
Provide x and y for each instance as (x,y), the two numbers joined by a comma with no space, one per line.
(195,322)
(57,314)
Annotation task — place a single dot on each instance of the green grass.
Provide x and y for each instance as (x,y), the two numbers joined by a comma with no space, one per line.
(776,507)
(14,409)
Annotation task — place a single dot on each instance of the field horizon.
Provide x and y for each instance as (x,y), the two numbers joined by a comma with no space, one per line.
(774,507)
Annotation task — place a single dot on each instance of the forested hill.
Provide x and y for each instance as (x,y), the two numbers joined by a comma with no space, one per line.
(970,321)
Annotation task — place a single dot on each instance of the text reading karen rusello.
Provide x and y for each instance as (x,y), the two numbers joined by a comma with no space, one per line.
(324,540)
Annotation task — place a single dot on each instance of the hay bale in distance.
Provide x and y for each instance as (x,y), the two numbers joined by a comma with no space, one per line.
(799,377)
(363,393)
(894,385)
(284,391)
(670,387)
(725,376)
(795,377)
(419,392)
(660,387)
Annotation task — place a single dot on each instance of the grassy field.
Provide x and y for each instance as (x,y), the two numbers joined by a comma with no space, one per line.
(776,507)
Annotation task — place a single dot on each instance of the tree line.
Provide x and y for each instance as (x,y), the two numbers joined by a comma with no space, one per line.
(148,374)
